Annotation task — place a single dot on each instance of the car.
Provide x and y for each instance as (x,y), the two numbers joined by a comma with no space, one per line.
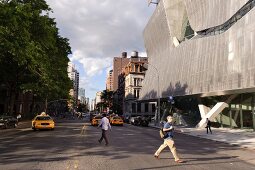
(144,121)
(91,116)
(132,120)
(96,120)
(43,121)
(116,120)
(83,114)
(135,121)
(139,121)
(8,122)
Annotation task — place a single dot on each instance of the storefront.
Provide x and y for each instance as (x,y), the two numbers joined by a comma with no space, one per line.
(240,114)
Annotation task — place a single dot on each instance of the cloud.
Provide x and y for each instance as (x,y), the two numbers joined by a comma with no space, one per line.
(86,82)
(92,66)
(99,30)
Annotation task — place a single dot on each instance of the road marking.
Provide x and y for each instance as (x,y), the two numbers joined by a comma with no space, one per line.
(68,165)
(76,164)
(83,129)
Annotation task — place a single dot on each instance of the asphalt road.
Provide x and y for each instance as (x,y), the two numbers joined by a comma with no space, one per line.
(74,145)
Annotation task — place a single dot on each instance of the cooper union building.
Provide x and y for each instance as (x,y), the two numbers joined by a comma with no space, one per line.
(201,55)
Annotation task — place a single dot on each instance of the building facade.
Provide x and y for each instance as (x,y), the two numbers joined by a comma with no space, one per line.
(98,97)
(81,96)
(129,85)
(92,105)
(109,81)
(118,64)
(73,74)
(203,51)
(134,73)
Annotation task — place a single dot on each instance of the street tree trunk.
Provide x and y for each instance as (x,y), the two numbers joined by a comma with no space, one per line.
(46,104)
(11,102)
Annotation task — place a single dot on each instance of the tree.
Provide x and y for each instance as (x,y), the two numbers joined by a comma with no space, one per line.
(33,55)
(107,99)
(101,106)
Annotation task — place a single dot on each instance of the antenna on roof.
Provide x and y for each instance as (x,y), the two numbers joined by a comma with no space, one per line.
(153,2)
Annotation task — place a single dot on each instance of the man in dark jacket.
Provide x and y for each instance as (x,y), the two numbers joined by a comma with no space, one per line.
(208,125)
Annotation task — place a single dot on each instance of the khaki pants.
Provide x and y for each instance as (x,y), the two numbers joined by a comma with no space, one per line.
(170,144)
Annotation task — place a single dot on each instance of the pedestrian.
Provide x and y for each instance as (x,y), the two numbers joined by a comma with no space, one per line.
(105,125)
(208,125)
(18,117)
(168,140)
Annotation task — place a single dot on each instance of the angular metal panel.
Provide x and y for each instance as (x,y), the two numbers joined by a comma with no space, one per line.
(216,64)
(204,14)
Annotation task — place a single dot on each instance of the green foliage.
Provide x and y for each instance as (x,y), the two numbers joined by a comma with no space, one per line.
(34,57)
(107,99)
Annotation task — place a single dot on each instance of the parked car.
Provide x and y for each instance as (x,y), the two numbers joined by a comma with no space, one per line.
(143,121)
(132,120)
(8,122)
(86,116)
(139,121)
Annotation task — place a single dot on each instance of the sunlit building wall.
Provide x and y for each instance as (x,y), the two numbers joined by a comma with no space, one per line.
(73,74)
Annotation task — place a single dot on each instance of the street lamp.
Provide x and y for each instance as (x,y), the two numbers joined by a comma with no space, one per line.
(158,111)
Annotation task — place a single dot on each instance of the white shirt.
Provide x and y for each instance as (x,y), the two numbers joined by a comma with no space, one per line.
(105,124)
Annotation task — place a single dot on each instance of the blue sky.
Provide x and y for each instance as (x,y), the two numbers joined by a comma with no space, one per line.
(99,30)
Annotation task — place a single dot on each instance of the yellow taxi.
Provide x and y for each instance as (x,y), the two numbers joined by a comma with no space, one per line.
(96,120)
(116,120)
(43,121)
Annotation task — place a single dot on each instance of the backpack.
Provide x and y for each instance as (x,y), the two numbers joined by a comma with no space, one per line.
(162,133)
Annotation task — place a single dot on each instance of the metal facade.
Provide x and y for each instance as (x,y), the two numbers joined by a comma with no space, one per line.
(209,65)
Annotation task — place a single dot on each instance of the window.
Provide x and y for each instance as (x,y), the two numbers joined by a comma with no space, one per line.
(136,68)
(135,81)
(146,107)
(133,107)
(138,82)
(138,107)
(189,32)
(43,118)
(225,26)
(153,107)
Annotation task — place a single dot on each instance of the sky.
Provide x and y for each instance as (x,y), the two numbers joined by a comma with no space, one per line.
(99,30)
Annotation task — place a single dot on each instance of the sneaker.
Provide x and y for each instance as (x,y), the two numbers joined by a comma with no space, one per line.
(179,161)
(156,156)
(99,141)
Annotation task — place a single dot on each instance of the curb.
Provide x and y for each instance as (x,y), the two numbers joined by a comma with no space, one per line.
(214,140)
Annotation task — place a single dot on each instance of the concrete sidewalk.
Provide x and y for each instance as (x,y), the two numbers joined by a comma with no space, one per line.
(243,138)
(24,124)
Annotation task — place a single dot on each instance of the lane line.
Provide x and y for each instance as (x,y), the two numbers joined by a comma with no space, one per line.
(83,129)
